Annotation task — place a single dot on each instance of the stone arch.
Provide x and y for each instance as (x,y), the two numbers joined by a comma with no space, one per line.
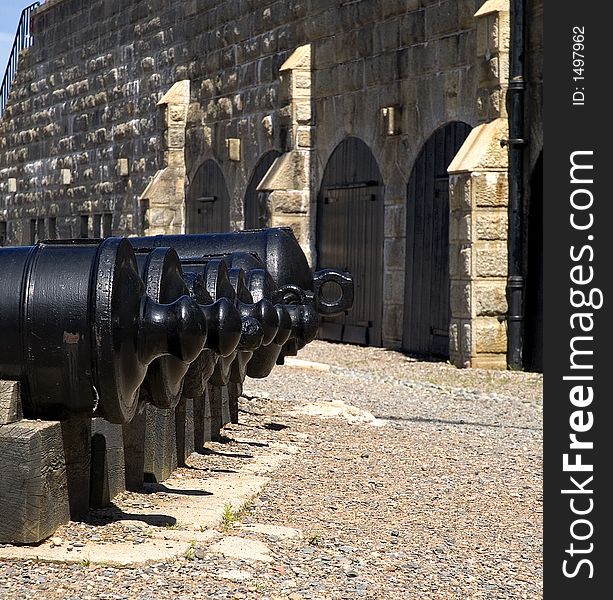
(207,207)
(426,307)
(255,209)
(349,236)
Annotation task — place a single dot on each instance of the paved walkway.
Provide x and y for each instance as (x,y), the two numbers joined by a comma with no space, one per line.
(355,473)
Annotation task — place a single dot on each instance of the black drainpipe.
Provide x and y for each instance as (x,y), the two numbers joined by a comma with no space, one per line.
(516,142)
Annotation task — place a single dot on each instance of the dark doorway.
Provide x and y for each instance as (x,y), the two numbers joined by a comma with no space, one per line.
(350,237)
(533,332)
(426,310)
(208,202)
(256,209)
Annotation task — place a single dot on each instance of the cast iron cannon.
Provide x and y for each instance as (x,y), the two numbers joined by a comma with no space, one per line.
(276,269)
(79,329)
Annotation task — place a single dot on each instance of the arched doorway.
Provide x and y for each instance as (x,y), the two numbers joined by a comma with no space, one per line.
(426,308)
(350,237)
(256,210)
(208,201)
(533,304)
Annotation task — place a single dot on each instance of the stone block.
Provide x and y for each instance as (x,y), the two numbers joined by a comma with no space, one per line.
(454,338)
(490,298)
(490,189)
(393,287)
(123,168)
(289,201)
(490,335)
(33,485)
(380,68)
(489,103)
(488,40)
(481,152)
(460,192)
(441,18)
(466,342)
(385,36)
(289,172)
(491,259)
(460,226)
(412,28)
(304,136)
(175,136)
(460,299)
(301,83)
(447,52)
(394,254)
(489,361)
(491,224)
(325,52)
(395,221)
(302,111)
(233,149)
(392,323)
(460,261)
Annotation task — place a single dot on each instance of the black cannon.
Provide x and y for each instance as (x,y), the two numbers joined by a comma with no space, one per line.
(276,269)
(236,325)
(79,330)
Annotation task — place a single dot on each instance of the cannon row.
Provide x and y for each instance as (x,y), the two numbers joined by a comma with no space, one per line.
(87,324)
(137,348)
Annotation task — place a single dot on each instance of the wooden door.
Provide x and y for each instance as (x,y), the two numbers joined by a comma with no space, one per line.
(350,237)
(426,312)
(208,201)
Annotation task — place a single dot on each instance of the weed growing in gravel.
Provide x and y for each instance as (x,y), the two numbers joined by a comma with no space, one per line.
(84,563)
(189,553)
(229,517)
(314,539)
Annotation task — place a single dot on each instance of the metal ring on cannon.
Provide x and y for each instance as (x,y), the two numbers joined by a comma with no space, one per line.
(344,300)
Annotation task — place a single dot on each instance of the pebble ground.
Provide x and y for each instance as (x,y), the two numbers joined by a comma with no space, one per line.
(442,500)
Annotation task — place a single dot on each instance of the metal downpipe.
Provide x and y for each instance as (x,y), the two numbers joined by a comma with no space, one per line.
(516,143)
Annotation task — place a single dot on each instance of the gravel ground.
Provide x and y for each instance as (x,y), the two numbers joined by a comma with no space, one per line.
(440,499)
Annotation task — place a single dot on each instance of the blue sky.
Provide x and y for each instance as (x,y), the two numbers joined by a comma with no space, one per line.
(10,11)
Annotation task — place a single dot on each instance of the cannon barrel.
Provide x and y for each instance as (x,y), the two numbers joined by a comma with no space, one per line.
(79,330)
(280,255)
(276,247)
(275,269)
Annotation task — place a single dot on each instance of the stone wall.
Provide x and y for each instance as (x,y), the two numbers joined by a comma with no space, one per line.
(85,135)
